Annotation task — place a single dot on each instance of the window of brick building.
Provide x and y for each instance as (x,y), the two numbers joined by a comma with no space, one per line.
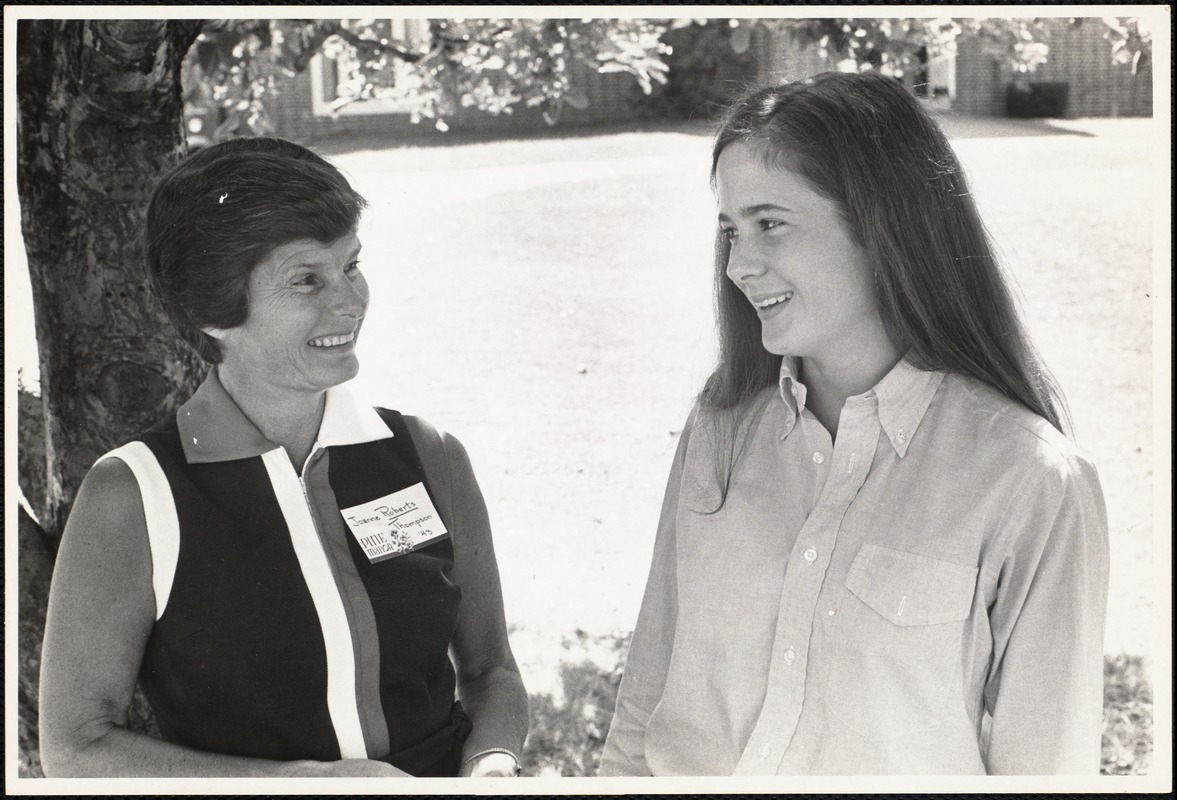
(336,79)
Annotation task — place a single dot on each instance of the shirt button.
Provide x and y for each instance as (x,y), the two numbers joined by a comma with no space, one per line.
(818,458)
(764,751)
(793,389)
(831,612)
(810,555)
(900,437)
(790,656)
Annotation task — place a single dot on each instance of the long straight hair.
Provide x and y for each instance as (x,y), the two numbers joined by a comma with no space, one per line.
(863,141)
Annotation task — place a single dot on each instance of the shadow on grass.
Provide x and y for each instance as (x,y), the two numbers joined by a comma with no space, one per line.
(959,126)
(956,126)
(347,142)
(568,731)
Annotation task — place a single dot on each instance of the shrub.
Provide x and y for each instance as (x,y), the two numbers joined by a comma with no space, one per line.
(568,733)
(1036,99)
(1127,717)
(705,73)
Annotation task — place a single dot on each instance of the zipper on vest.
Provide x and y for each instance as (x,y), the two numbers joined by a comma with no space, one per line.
(315,562)
(306,495)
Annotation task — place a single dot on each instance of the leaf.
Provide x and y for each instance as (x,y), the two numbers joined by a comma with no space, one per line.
(552,111)
(577,100)
(741,39)
(613,66)
(207,56)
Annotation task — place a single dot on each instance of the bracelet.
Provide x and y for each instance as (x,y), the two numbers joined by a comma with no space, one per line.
(490,750)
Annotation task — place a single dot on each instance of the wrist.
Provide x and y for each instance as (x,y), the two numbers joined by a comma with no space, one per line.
(493,762)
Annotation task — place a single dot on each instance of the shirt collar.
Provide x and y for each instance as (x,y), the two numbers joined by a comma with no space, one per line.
(904,395)
(792,392)
(213,427)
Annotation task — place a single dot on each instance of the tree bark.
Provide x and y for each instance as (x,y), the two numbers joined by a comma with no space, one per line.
(99,115)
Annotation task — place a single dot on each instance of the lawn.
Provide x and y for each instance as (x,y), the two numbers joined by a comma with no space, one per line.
(548,302)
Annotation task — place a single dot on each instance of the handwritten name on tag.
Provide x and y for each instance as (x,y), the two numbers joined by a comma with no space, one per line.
(396,524)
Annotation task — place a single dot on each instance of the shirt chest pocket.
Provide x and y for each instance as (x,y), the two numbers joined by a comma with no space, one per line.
(896,642)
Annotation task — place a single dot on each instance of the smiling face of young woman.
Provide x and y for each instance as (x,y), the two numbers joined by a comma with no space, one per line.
(307,301)
(796,260)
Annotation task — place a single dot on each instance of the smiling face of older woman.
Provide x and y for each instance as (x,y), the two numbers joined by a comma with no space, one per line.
(251,239)
(307,301)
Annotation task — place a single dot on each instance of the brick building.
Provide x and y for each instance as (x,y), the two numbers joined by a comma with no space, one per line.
(302,109)
(972,81)
(1080,56)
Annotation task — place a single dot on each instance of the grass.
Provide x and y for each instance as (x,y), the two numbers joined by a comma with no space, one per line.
(548,302)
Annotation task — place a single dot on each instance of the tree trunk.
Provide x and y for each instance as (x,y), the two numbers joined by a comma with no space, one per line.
(100,114)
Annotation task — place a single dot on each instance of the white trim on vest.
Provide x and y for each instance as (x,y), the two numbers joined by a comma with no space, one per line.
(159,509)
(320,581)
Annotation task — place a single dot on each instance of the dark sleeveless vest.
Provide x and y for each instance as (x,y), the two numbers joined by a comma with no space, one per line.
(237,662)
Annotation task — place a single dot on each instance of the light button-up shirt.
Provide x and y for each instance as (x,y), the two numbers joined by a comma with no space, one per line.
(927,596)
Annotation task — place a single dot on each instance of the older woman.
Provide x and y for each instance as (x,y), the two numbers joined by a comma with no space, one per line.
(300,583)
(879,553)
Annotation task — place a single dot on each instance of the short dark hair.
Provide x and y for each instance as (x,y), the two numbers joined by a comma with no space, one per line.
(215,215)
(863,141)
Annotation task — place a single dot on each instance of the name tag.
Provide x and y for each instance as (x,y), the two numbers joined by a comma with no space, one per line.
(396,524)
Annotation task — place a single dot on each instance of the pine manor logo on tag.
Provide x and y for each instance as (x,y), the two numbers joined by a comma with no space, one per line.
(395,524)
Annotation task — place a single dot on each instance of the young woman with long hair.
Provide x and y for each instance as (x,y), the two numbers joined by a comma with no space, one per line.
(879,552)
